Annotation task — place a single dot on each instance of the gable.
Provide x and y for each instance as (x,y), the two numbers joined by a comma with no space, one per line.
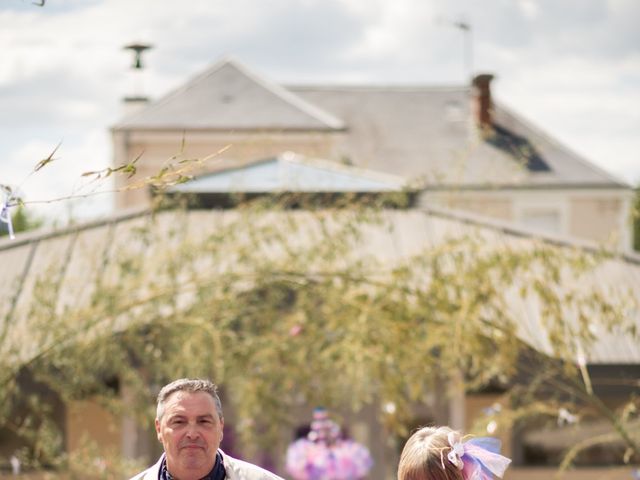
(229,96)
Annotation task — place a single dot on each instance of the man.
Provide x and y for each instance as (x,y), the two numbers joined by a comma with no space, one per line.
(189,425)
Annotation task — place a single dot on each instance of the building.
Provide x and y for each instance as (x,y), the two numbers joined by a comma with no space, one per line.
(453,144)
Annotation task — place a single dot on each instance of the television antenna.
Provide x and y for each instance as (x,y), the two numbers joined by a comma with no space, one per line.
(467,42)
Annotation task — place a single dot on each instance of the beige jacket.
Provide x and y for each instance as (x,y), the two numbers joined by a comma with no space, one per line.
(235,469)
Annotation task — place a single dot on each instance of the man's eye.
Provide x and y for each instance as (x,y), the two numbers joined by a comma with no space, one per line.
(177,422)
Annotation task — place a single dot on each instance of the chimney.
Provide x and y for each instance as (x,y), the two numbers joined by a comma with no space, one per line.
(482,105)
(137,99)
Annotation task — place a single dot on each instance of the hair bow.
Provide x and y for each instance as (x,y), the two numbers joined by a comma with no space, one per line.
(457,450)
(478,458)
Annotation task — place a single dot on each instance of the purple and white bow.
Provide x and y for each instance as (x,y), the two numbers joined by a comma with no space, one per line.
(478,458)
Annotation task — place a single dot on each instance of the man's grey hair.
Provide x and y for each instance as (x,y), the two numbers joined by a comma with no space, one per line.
(191,385)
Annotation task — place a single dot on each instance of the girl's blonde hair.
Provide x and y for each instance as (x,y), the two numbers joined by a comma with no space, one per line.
(424,456)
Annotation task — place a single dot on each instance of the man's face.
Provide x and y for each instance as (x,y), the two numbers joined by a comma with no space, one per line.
(190,432)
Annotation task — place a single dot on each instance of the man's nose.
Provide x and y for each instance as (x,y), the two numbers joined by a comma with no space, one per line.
(192,431)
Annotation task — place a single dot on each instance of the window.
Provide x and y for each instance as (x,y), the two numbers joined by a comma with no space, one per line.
(543,220)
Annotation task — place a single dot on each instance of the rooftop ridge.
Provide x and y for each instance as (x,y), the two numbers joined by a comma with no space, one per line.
(288,96)
(378,87)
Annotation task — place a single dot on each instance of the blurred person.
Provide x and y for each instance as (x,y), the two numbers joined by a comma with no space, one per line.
(440,453)
(189,424)
(15,465)
(325,453)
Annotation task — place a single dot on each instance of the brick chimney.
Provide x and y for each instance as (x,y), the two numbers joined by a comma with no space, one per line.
(482,105)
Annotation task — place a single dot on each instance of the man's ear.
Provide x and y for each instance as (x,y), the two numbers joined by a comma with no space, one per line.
(158,430)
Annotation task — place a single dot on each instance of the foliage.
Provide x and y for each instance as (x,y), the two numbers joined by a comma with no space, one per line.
(286,308)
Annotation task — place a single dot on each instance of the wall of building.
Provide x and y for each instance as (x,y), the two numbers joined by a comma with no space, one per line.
(491,206)
(88,421)
(596,215)
(598,218)
(157,149)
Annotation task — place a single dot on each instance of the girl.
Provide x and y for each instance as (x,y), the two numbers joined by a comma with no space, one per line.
(441,454)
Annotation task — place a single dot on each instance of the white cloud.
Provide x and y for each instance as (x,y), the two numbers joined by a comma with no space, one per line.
(392,26)
(530,8)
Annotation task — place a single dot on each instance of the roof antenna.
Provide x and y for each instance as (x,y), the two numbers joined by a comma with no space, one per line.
(467,46)
(137,98)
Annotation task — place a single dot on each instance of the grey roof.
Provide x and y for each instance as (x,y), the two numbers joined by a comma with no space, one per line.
(425,134)
(428,133)
(229,96)
(86,254)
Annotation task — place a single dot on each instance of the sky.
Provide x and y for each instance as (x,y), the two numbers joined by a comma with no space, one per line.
(570,67)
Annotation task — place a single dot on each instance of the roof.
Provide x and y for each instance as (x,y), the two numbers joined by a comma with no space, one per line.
(229,96)
(427,133)
(83,255)
(423,133)
(292,173)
